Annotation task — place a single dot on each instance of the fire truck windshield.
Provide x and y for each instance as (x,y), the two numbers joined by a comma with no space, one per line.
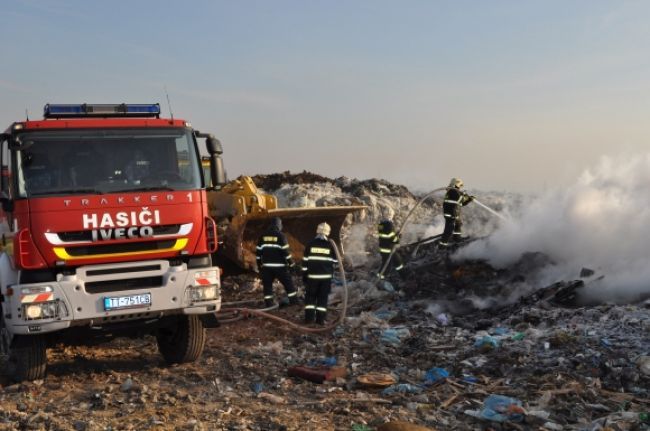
(87,161)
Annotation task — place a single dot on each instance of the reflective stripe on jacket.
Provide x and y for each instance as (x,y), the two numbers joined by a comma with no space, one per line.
(319,259)
(273,250)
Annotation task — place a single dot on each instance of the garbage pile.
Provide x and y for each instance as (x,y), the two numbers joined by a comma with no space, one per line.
(458,345)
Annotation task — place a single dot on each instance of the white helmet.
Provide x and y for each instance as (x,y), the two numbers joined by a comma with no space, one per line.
(323,229)
(456,182)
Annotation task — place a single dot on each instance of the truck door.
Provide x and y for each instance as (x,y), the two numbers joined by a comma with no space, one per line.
(6,193)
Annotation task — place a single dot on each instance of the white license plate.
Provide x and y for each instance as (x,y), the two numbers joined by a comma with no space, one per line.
(130,301)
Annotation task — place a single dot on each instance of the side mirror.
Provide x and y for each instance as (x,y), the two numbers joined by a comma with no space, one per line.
(213,145)
(6,202)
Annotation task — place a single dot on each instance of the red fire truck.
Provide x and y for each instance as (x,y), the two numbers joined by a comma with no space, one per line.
(105,232)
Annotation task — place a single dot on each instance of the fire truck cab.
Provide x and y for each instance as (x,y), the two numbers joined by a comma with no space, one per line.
(105,232)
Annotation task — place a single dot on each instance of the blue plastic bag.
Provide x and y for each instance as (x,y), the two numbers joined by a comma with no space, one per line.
(435,374)
(499,408)
(487,341)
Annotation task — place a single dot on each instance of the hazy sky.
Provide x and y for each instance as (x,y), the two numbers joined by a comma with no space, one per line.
(509,95)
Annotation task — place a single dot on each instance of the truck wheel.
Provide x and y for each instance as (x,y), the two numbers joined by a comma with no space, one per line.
(183,342)
(28,357)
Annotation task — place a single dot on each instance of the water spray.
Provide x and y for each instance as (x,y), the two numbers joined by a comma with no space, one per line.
(481,204)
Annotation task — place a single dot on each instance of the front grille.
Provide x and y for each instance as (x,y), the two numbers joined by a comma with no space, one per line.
(129,247)
(123,270)
(119,285)
(86,235)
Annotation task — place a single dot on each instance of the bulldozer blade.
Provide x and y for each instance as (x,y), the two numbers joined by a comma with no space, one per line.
(298,224)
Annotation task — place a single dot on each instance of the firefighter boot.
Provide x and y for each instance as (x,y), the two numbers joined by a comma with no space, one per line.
(310,315)
(320,317)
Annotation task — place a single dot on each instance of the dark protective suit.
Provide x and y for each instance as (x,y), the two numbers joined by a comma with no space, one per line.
(318,270)
(454,200)
(273,261)
(388,239)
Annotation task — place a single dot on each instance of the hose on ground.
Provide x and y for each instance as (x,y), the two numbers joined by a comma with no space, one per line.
(242,313)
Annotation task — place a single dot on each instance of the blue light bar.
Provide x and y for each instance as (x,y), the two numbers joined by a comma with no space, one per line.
(100,110)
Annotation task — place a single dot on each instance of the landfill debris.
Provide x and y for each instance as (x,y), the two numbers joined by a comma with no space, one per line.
(317,374)
(435,375)
(376,380)
(402,426)
(499,408)
(580,382)
(402,388)
(394,336)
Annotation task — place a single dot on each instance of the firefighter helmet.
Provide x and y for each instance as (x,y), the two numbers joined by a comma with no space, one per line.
(456,182)
(386,226)
(276,223)
(323,229)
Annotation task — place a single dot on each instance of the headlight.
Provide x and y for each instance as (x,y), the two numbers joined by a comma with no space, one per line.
(199,293)
(44,310)
(33,311)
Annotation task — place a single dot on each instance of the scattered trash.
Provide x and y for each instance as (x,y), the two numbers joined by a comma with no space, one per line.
(442,319)
(499,408)
(275,399)
(394,336)
(387,286)
(402,388)
(376,380)
(317,374)
(360,427)
(257,387)
(323,362)
(401,426)
(486,342)
(468,378)
(643,362)
(500,331)
(518,336)
(434,375)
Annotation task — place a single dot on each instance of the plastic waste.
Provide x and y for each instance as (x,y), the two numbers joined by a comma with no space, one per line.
(385,314)
(327,361)
(257,387)
(387,286)
(519,336)
(487,342)
(402,388)
(394,336)
(360,427)
(499,408)
(500,331)
(643,362)
(442,319)
(435,374)
(468,378)
(644,417)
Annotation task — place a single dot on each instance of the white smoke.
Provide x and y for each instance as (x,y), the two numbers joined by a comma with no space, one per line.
(601,222)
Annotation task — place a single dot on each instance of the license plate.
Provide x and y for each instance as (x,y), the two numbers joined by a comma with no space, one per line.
(130,301)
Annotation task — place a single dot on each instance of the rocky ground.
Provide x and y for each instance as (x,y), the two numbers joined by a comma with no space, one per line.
(458,345)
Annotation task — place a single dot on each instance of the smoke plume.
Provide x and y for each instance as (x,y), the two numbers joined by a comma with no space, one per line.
(602,222)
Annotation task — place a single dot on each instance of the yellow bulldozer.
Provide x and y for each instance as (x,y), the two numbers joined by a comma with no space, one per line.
(243,212)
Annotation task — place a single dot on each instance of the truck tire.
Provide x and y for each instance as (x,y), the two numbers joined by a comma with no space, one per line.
(183,342)
(28,357)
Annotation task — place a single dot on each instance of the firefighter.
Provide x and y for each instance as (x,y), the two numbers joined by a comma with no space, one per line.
(273,261)
(388,240)
(318,269)
(455,198)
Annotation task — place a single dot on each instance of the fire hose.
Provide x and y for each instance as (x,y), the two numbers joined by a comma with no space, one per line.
(233,314)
